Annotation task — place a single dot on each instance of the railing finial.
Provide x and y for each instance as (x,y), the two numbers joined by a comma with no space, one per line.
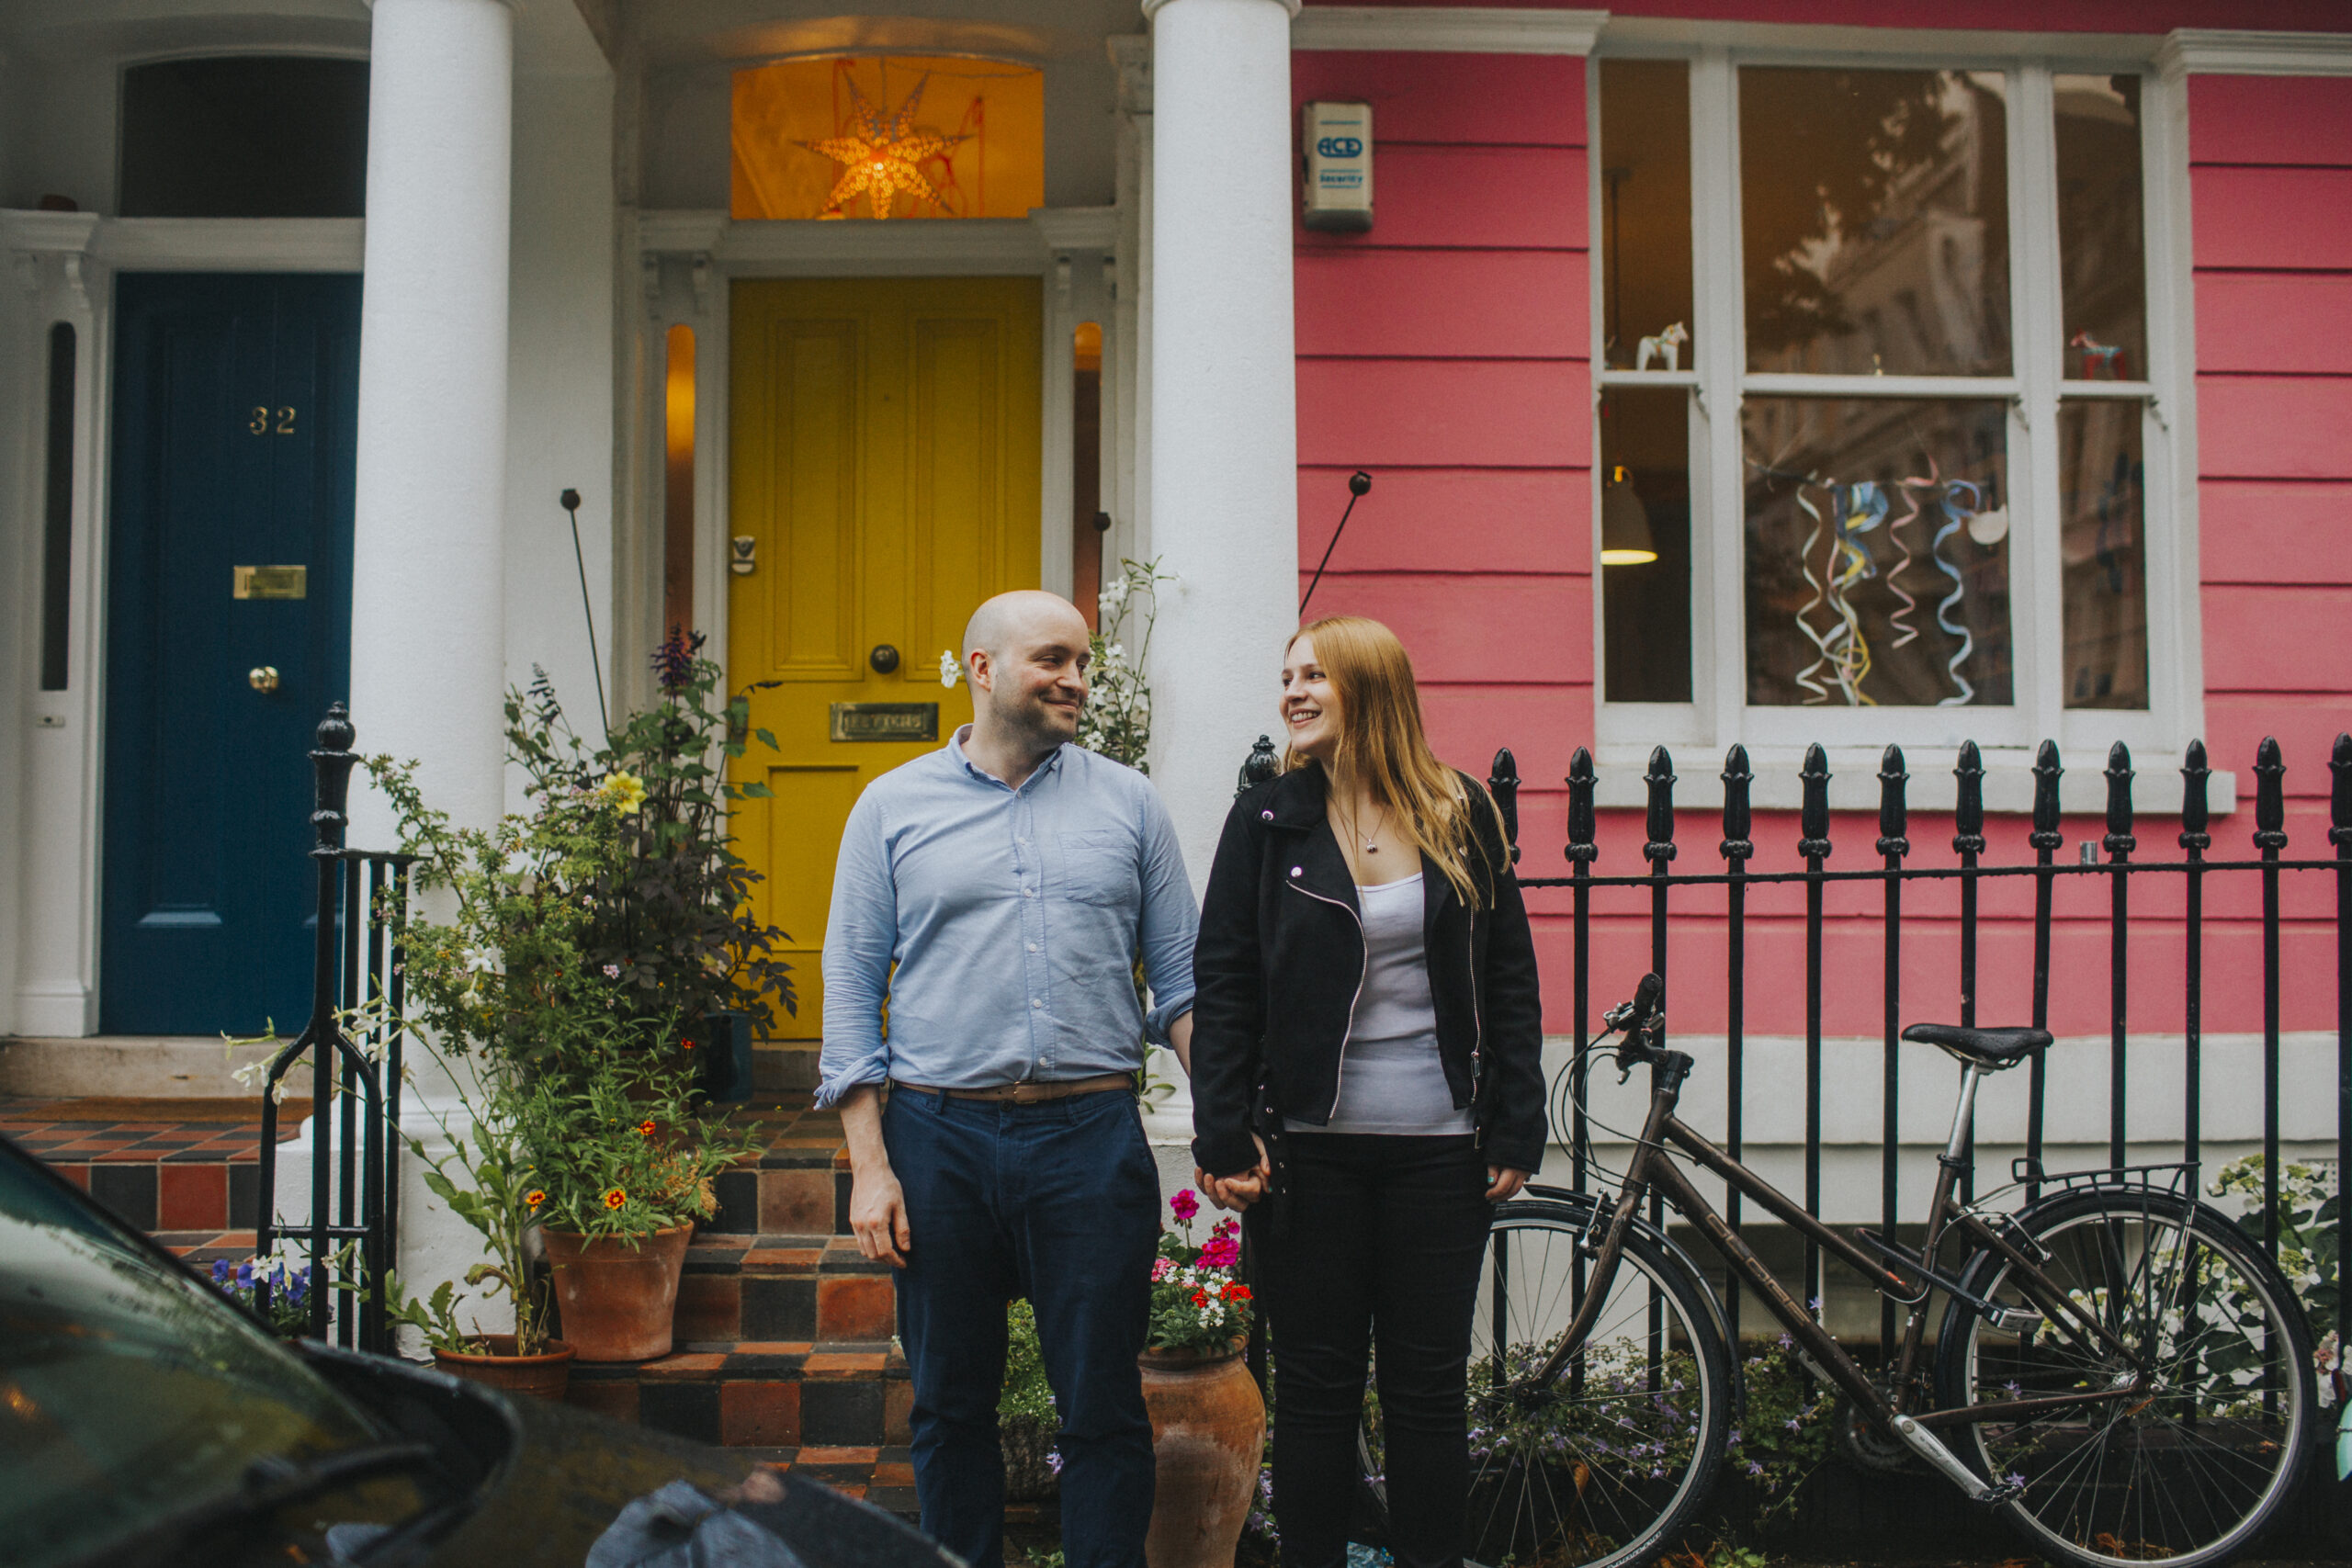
(1968,813)
(331,760)
(1894,811)
(2339,802)
(1660,780)
(2119,841)
(1814,820)
(1582,782)
(2196,810)
(1502,783)
(2269,796)
(1258,766)
(1738,777)
(2046,774)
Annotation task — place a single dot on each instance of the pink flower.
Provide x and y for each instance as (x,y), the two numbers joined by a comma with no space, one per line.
(1160,1269)
(1220,1252)
(1224,1227)
(1184,1205)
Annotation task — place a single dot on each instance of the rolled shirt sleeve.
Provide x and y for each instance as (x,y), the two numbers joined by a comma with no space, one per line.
(1170,923)
(861,936)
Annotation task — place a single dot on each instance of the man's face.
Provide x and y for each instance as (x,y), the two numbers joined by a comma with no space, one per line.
(1036,686)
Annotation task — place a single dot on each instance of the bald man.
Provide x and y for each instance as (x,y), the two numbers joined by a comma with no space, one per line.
(994,896)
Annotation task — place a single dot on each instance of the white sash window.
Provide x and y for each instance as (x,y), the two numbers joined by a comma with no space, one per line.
(1884,362)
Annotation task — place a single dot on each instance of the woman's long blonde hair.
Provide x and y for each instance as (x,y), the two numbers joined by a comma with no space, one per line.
(1382,742)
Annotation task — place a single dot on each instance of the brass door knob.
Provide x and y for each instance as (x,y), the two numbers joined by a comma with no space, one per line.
(263,679)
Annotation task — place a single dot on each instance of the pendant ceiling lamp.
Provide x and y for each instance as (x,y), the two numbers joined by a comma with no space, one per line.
(1625,522)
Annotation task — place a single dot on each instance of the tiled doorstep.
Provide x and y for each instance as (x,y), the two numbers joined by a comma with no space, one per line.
(753,1394)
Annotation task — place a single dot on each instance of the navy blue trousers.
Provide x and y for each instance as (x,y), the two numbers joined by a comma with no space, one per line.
(1058,1203)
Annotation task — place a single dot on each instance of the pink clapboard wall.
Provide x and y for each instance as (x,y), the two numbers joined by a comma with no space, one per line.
(1448,350)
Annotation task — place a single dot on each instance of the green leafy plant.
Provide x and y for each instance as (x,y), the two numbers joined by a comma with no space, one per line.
(578,1091)
(1027,1396)
(1117,718)
(672,918)
(2308,1248)
(1785,1430)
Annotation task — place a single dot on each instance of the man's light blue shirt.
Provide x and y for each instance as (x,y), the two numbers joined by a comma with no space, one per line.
(1013,917)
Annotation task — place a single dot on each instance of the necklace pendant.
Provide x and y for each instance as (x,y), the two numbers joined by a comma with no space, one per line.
(1370,848)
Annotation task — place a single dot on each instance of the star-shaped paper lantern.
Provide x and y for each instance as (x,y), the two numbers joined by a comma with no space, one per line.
(882,157)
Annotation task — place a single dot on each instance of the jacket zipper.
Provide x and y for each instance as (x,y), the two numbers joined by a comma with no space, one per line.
(1478,1022)
(1340,1074)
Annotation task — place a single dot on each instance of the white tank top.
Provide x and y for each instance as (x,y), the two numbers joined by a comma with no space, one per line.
(1390,1078)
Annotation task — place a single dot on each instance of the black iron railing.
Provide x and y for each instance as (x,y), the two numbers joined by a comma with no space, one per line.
(354,1040)
(1893,848)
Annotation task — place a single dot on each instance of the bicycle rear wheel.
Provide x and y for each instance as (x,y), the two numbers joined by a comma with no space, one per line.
(2188,1476)
(1606,1465)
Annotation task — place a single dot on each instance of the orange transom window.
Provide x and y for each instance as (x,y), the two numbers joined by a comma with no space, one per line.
(889,136)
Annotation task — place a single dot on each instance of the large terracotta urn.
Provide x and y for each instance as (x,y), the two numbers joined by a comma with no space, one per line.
(494,1362)
(617,1297)
(1208,1432)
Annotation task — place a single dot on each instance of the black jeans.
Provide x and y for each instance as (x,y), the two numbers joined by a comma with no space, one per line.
(1379,1246)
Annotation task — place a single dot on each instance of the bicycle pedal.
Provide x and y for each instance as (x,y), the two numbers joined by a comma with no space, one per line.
(2014,1319)
(2003,1492)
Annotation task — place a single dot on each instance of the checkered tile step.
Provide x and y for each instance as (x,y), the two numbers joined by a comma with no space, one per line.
(160,1171)
(759,1394)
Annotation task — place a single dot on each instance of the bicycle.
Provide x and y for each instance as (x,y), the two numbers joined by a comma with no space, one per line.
(2119,1370)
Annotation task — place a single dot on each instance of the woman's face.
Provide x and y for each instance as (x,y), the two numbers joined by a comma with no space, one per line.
(1310,703)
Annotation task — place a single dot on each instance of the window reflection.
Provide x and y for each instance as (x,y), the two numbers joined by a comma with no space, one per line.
(2101,494)
(1875,210)
(1878,569)
(1646,545)
(1645,212)
(2101,242)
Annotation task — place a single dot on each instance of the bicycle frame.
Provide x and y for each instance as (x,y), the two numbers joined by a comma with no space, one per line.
(1652,1165)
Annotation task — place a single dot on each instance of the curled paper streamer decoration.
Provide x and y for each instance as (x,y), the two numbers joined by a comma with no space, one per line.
(1956,515)
(1819,692)
(1911,489)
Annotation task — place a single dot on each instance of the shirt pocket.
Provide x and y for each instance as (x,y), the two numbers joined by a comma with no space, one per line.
(1097,867)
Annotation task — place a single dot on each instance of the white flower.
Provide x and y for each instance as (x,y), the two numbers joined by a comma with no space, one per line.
(950,670)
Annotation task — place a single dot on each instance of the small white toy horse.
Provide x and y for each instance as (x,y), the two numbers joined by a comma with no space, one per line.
(1667,345)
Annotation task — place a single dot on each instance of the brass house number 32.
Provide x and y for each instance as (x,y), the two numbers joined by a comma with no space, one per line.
(261,424)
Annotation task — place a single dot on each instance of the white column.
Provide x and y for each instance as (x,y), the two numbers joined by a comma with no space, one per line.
(428,625)
(1224,408)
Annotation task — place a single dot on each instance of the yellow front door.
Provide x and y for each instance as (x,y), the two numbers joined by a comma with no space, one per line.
(884,480)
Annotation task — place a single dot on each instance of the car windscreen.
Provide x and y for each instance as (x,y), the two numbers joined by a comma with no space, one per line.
(129,1391)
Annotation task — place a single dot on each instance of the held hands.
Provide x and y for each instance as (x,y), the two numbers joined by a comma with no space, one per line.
(1237,1192)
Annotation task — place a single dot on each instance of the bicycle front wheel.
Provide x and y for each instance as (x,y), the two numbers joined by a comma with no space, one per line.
(2186,1474)
(1605,1465)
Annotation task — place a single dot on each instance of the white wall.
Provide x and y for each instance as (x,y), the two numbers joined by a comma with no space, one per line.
(559,379)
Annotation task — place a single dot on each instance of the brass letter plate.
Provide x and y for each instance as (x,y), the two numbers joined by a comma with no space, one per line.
(271,582)
(886,721)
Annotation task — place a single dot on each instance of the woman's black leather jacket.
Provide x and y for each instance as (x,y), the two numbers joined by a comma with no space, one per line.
(1280,962)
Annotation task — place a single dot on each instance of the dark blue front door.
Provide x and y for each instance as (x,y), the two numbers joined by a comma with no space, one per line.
(227,633)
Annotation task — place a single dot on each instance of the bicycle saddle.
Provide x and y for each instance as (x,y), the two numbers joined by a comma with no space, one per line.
(1991,1049)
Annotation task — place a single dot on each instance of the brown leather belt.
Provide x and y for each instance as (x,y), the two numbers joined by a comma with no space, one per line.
(1029,1091)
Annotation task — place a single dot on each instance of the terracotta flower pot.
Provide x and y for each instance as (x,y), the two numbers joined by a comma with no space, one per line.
(544,1376)
(1209,1430)
(617,1300)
